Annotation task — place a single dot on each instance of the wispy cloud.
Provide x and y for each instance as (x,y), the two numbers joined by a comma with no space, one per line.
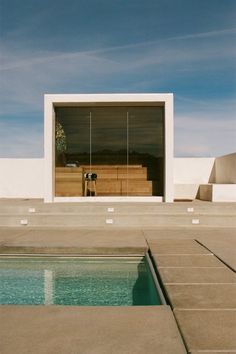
(37,58)
(27,78)
(187,64)
(209,34)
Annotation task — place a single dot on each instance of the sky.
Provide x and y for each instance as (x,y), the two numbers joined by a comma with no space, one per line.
(187,47)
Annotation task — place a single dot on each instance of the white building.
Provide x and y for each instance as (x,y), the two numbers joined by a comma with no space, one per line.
(127,141)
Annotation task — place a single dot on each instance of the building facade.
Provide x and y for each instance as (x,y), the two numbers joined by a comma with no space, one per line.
(125,141)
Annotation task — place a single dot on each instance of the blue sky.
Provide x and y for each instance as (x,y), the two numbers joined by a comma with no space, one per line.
(187,47)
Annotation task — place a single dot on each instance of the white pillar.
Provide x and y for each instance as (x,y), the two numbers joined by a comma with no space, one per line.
(169,149)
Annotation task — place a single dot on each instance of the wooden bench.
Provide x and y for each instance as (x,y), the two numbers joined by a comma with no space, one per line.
(68,181)
(112,180)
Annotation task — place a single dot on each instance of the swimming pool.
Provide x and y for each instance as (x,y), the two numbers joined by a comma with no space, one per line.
(78,281)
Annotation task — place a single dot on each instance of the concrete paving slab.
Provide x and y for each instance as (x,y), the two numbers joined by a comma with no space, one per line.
(168,246)
(197,275)
(89,330)
(77,241)
(220,241)
(7,234)
(224,248)
(212,352)
(202,296)
(204,260)
(191,232)
(208,330)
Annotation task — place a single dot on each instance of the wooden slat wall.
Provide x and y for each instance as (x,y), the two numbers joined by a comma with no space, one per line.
(69,182)
(111,180)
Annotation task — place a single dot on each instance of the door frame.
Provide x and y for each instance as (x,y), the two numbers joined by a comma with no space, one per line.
(51,101)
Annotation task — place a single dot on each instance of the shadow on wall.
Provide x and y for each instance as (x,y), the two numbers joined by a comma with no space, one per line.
(193,174)
(221,186)
(225,169)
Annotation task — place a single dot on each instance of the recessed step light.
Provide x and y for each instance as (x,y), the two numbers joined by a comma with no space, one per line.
(190,210)
(31,210)
(195,221)
(110,210)
(24,222)
(109,221)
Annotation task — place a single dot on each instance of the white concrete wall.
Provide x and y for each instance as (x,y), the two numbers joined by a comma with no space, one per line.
(21,178)
(24,178)
(218,192)
(225,169)
(189,173)
(224,192)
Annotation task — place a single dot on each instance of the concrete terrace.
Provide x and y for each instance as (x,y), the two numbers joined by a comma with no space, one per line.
(193,245)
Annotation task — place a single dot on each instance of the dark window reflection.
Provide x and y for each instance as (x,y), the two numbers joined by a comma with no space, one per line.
(76,124)
(124,145)
(109,136)
(146,143)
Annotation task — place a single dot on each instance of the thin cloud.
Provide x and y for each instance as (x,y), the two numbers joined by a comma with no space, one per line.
(196,65)
(40,58)
(209,34)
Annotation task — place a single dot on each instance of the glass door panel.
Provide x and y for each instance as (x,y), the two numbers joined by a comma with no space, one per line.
(109,149)
(146,151)
(72,150)
(123,146)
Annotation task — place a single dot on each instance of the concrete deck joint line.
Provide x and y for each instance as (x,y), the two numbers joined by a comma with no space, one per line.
(182,254)
(184,267)
(188,283)
(226,264)
(206,309)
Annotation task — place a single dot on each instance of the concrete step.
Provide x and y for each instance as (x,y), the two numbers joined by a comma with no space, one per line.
(27,207)
(121,220)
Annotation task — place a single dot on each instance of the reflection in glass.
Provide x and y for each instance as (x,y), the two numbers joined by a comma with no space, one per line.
(124,146)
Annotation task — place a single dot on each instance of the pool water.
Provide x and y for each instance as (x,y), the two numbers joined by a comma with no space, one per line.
(77,281)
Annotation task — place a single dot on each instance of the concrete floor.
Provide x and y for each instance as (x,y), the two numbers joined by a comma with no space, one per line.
(197,268)
(201,290)
(89,330)
(220,241)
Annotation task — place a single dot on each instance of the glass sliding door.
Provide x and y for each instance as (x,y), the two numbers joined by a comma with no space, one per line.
(72,125)
(146,150)
(109,149)
(123,147)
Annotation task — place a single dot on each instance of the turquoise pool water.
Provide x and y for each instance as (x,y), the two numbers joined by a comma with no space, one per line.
(77,281)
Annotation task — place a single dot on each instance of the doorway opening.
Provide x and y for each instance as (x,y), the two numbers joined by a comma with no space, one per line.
(109,151)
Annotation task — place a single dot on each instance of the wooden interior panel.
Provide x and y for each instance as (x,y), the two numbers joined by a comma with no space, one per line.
(68,181)
(111,180)
(108,187)
(133,173)
(136,187)
(103,173)
(68,170)
(109,166)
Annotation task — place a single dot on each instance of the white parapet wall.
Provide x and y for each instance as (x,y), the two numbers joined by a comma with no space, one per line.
(24,178)
(223,193)
(189,173)
(21,178)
